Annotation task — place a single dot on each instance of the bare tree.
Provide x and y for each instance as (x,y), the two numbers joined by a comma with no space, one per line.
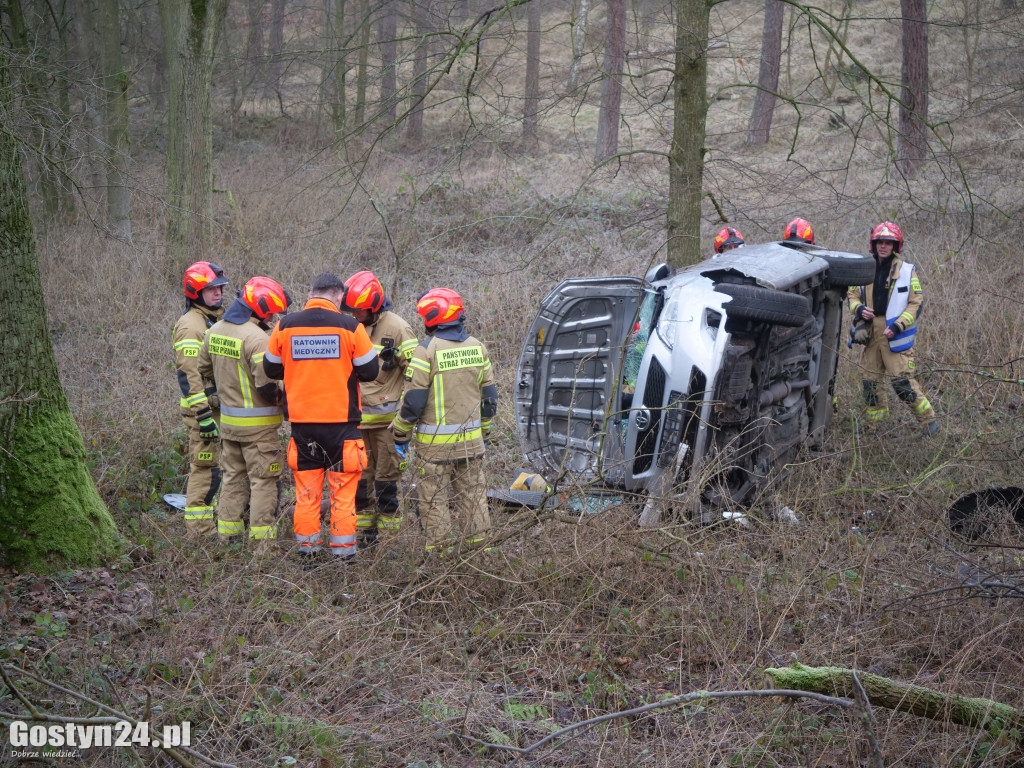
(531,103)
(913,142)
(768,76)
(579,36)
(611,82)
(686,153)
(256,62)
(277,12)
(363,13)
(190,39)
(387,31)
(115,119)
(420,12)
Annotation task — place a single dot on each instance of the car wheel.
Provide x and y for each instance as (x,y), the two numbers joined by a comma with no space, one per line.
(750,302)
(844,271)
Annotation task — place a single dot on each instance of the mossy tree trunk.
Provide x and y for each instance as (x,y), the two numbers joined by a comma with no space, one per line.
(190,31)
(690,108)
(50,513)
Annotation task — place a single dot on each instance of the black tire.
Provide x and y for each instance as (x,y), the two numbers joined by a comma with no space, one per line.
(844,271)
(750,302)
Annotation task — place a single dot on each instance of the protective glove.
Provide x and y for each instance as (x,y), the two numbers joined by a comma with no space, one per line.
(213,398)
(402,449)
(208,429)
(387,358)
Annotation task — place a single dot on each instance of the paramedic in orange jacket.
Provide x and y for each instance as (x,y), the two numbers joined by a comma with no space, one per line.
(322,355)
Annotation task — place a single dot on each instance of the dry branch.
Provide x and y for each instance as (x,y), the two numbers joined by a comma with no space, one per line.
(903,697)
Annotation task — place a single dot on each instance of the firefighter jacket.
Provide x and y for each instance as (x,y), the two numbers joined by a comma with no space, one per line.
(198,394)
(901,304)
(232,355)
(322,355)
(450,397)
(394,342)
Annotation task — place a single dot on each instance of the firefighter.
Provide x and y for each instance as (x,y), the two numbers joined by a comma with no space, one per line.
(200,408)
(798,231)
(728,239)
(232,355)
(885,321)
(322,355)
(449,401)
(393,341)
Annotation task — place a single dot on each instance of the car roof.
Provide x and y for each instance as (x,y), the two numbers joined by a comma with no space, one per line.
(772,265)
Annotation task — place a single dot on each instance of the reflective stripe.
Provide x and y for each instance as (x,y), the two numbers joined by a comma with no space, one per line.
(462,437)
(449,429)
(341,541)
(401,425)
(257,358)
(407,348)
(198,513)
(439,399)
(391,523)
(263,532)
(270,410)
(230,529)
(309,543)
(268,355)
(876,414)
(921,407)
(364,359)
(188,402)
(365,521)
(380,409)
(420,365)
(251,421)
(250,417)
(384,418)
(188,343)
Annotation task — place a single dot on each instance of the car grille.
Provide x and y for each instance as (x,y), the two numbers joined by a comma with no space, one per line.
(654,395)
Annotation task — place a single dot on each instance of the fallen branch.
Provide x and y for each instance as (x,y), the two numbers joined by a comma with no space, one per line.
(902,697)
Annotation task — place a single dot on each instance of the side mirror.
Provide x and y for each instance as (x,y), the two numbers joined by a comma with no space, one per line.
(657,272)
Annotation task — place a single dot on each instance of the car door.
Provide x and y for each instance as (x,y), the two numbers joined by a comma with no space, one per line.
(568,375)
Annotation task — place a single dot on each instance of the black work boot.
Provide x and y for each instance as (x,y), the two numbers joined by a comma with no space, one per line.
(368,539)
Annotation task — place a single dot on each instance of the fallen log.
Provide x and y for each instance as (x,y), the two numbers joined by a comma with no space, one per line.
(902,697)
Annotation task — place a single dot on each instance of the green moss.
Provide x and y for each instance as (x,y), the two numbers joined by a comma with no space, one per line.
(51,516)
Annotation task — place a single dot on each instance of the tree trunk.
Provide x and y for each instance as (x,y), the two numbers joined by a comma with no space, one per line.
(363,63)
(341,43)
(276,45)
(51,516)
(386,34)
(531,104)
(913,141)
(256,63)
(190,39)
(768,76)
(33,74)
(115,119)
(903,697)
(611,82)
(420,13)
(686,155)
(579,38)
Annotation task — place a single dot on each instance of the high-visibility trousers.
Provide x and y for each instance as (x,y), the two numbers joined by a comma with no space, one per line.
(381,476)
(460,483)
(252,472)
(878,364)
(334,451)
(204,478)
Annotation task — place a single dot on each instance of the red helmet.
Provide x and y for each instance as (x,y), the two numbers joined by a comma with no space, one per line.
(364,291)
(264,297)
(201,275)
(439,306)
(728,236)
(887,231)
(799,229)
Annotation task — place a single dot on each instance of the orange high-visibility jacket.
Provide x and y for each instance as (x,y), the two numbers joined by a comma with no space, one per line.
(322,355)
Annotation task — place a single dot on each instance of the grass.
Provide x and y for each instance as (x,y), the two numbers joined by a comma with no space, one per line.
(581,615)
